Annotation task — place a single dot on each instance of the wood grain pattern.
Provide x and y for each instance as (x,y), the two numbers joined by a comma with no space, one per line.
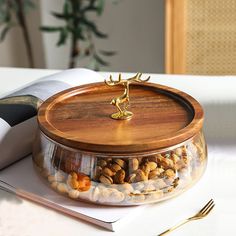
(175,35)
(80,118)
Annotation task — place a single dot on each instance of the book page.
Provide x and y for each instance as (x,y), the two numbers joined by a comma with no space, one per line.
(50,85)
(17,116)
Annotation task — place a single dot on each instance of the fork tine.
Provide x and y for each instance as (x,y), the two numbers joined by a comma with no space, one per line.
(208,210)
(206,206)
(205,210)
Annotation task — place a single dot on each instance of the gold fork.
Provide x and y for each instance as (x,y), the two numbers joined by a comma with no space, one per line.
(201,214)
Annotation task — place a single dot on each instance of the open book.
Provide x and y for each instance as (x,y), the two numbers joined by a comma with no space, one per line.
(17,130)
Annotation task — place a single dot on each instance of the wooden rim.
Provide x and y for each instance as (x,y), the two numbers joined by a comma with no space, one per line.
(166,141)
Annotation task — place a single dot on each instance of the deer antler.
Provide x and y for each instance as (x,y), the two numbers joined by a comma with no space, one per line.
(113,82)
(137,78)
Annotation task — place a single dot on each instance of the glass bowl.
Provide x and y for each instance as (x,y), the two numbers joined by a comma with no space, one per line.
(86,155)
(119,180)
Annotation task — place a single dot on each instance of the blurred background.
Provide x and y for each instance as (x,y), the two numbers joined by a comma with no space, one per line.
(108,35)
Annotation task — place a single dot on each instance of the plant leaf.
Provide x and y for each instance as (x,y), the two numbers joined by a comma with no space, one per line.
(4,32)
(107,53)
(100,60)
(100,7)
(62,37)
(66,8)
(89,8)
(50,28)
(79,33)
(93,28)
(62,16)
(88,23)
(99,34)
(6,17)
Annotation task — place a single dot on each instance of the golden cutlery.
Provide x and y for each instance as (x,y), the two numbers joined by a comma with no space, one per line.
(201,214)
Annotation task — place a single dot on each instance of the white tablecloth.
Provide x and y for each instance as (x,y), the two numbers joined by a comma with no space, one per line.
(218,97)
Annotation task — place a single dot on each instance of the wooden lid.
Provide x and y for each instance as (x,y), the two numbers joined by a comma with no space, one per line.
(80,118)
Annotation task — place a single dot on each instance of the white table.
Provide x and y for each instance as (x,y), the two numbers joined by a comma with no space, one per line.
(218,96)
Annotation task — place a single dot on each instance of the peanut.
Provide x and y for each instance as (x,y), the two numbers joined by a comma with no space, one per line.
(61,187)
(73,194)
(131,178)
(119,177)
(155,173)
(152,165)
(102,163)
(54,185)
(107,171)
(115,167)
(121,163)
(175,158)
(133,164)
(178,151)
(140,176)
(51,178)
(106,179)
(169,173)
(167,163)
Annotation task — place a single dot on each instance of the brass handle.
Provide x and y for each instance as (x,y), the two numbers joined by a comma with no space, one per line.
(123,102)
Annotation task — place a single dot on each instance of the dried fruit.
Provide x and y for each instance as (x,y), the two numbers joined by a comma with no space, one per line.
(79,181)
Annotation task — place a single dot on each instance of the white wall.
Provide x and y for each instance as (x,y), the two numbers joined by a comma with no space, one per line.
(12,50)
(135,29)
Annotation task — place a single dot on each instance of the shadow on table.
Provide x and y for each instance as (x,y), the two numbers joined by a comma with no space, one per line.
(220,123)
(10,197)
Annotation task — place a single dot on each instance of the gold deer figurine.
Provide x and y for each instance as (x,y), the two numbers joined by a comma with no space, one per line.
(122,113)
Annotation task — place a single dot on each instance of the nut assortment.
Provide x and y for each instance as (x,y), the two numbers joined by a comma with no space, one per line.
(126,181)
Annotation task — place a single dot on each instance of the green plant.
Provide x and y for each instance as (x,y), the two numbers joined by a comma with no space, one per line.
(79,27)
(12,14)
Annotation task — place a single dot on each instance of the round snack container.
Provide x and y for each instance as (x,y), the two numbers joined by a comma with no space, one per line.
(154,155)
